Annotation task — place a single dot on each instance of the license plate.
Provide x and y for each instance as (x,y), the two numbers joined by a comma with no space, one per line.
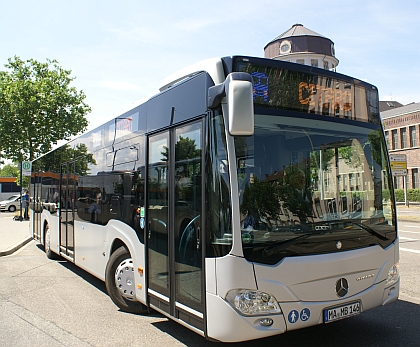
(340,312)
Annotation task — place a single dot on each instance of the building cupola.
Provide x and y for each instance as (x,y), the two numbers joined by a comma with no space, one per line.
(301,45)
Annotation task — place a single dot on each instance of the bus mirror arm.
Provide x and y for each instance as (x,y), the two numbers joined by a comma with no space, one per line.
(238,89)
(215,96)
(218,92)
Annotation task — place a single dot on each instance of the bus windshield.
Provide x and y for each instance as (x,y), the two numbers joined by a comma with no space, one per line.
(309,186)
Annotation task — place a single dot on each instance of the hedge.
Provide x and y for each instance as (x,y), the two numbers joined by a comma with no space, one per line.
(412,194)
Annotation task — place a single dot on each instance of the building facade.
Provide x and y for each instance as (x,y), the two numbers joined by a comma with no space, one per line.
(402,131)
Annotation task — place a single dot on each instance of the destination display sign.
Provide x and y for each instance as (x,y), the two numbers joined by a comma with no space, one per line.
(294,90)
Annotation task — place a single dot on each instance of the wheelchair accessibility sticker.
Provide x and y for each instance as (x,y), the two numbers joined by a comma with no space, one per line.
(305,314)
(294,315)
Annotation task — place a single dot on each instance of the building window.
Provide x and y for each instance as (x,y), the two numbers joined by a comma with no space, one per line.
(300,61)
(351,181)
(326,65)
(387,138)
(403,137)
(413,136)
(314,62)
(394,139)
(415,178)
(285,47)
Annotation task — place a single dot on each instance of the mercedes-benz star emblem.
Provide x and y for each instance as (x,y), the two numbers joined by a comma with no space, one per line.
(342,287)
(338,245)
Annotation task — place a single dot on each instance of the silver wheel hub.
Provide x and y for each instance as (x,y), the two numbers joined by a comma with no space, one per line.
(124,279)
(47,240)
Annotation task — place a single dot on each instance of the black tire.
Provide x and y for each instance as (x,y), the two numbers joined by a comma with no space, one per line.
(47,244)
(12,208)
(121,258)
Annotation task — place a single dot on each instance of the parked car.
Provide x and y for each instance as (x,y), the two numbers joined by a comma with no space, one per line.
(11,204)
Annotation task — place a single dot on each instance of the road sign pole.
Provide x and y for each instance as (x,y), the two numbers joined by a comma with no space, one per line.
(21,183)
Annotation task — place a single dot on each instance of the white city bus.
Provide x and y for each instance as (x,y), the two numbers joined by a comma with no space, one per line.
(248,197)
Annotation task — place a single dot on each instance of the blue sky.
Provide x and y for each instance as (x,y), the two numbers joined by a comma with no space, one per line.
(119,51)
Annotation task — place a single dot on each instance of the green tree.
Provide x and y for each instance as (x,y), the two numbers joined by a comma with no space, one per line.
(11,170)
(262,198)
(296,192)
(185,148)
(63,154)
(38,108)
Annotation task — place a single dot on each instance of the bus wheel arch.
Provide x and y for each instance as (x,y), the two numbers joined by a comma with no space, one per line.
(119,280)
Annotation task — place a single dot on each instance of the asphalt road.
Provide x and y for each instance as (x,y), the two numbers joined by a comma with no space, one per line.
(54,303)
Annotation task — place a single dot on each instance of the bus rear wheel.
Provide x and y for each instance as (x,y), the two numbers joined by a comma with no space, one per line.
(119,282)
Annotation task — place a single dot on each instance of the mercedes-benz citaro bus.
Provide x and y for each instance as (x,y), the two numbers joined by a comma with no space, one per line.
(246,198)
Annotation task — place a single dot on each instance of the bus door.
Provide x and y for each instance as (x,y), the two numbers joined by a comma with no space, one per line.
(174,234)
(36,206)
(67,202)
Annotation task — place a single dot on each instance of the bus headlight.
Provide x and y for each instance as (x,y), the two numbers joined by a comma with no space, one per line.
(252,302)
(393,275)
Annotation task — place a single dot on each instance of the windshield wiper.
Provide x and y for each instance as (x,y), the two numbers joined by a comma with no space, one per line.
(269,251)
(370,231)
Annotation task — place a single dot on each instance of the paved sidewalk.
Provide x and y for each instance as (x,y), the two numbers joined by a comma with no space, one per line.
(13,234)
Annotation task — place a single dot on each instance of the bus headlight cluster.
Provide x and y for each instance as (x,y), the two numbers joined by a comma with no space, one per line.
(252,302)
(393,275)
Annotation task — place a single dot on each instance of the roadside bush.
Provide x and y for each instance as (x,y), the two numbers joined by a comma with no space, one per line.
(386,195)
(399,194)
(413,195)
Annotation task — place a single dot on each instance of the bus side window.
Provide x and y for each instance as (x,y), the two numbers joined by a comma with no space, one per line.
(219,224)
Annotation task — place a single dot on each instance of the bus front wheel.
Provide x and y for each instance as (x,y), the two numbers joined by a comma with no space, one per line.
(119,282)
(47,244)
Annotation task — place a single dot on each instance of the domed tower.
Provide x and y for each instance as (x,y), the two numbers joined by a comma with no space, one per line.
(303,46)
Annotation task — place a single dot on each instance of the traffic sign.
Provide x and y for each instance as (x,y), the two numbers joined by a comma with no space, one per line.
(26,168)
(398,164)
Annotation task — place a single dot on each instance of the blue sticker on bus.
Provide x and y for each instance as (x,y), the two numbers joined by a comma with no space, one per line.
(142,223)
(305,314)
(293,316)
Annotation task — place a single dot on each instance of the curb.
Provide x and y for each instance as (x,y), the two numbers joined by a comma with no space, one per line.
(15,248)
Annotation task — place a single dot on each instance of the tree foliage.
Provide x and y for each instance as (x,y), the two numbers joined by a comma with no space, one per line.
(38,108)
(64,154)
(11,170)
(261,198)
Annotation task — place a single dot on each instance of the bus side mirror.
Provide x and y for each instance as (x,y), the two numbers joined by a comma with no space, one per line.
(235,95)
(240,106)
